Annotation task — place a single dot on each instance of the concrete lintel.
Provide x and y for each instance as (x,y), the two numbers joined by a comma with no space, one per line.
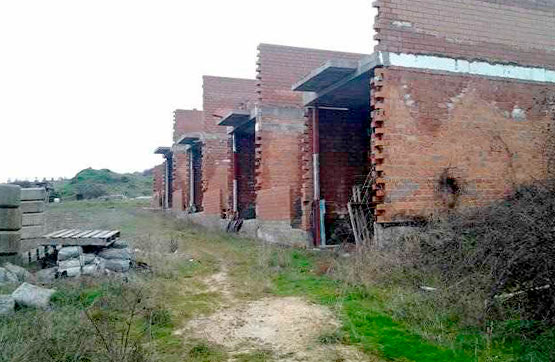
(163,151)
(327,96)
(190,138)
(235,118)
(327,74)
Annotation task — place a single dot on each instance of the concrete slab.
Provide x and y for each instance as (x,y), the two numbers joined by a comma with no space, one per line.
(10,242)
(10,219)
(28,207)
(235,118)
(353,91)
(162,151)
(324,76)
(190,138)
(33,194)
(10,195)
(33,219)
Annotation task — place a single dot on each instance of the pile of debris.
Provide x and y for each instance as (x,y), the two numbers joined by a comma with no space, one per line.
(73,261)
(26,295)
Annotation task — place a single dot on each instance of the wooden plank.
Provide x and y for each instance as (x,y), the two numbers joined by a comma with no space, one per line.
(90,232)
(113,234)
(60,232)
(72,234)
(82,233)
(354,224)
(94,232)
(53,233)
(63,235)
(103,234)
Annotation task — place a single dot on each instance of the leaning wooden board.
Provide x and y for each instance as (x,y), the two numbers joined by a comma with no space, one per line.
(76,237)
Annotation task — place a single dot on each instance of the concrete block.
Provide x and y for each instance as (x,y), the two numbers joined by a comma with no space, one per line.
(33,194)
(10,195)
(70,252)
(29,295)
(10,242)
(28,207)
(10,219)
(32,232)
(21,273)
(7,305)
(32,219)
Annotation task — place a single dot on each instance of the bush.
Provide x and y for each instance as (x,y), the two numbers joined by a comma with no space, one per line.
(505,253)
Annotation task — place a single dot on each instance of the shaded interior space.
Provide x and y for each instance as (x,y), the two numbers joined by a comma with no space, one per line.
(344,162)
(338,92)
(243,168)
(168,175)
(194,142)
(195,178)
(244,171)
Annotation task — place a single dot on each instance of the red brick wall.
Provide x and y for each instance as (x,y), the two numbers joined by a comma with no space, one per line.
(185,121)
(344,157)
(275,204)
(471,136)
(221,95)
(280,136)
(279,156)
(520,31)
(180,188)
(279,67)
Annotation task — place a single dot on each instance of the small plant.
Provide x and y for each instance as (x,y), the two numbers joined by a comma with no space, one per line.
(114,331)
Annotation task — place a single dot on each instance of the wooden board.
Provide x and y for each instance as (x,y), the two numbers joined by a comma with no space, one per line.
(75,237)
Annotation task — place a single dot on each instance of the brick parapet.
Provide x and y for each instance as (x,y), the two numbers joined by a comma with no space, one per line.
(496,31)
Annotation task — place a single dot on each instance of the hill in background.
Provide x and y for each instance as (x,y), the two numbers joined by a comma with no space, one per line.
(90,184)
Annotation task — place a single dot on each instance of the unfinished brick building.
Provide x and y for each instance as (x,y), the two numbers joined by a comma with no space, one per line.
(445,114)
(268,140)
(454,95)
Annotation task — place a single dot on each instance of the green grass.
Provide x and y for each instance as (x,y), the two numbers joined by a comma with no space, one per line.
(369,323)
(383,320)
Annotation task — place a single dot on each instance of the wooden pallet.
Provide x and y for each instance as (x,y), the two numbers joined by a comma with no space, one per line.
(75,237)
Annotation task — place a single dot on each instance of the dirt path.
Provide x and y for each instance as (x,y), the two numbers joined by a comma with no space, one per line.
(287,328)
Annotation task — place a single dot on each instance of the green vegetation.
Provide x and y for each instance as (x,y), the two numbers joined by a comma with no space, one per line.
(386,318)
(91,184)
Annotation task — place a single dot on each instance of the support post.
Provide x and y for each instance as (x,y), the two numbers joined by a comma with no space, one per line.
(319,234)
(191,178)
(235,173)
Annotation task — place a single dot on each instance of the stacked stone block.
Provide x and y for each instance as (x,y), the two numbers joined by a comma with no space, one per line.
(10,221)
(32,214)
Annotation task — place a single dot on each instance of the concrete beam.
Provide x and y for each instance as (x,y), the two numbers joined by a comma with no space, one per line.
(163,151)
(347,91)
(190,138)
(235,118)
(324,76)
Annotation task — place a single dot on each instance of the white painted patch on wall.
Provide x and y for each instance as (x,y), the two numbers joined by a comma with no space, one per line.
(445,64)
(402,24)
(518,114)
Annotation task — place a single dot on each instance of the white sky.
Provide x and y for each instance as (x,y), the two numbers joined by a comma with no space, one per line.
(94,83)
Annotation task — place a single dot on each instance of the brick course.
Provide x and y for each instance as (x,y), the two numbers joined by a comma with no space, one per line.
(280,137)
(220,95)
(185,121)
(465,143)
(506,31)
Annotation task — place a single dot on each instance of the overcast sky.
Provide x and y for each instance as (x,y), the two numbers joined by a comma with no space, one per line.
(94,83)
